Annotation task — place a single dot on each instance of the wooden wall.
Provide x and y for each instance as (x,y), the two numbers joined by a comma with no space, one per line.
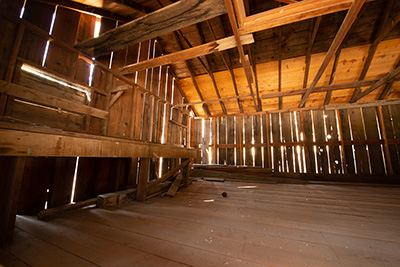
(361,141)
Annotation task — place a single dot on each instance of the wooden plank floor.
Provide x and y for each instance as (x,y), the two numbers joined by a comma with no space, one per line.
(268,225)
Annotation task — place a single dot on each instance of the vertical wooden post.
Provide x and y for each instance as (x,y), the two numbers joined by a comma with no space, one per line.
(241,139)
(185,173)
(108,87)
(142,179)
(385,142)
(306,158)
(268,135)
(215,142)
(9,195)
(340,135)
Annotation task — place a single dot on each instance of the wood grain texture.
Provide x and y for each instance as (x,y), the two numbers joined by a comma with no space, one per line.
(162,21)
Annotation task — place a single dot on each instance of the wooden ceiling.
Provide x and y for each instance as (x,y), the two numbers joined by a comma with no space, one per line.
(293,49)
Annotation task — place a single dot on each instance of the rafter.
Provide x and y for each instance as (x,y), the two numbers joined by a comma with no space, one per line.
(344,28)
(287,14)
(165,20)
(385,27)
(243,58)
(332,77)
(192,77)
(227,63)
(388,77)
(314,25)
(207,67)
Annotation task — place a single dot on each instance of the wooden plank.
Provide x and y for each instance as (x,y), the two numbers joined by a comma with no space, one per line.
(61,184)
(372,133)
(21,143)
(292,13)
(248,139)
(341,34)
(244,58)
(10,186)
(46,99)
(38,173)
(143,179)
(174,186)
(287,137)
(384,123)
(167,175)
(275,137)
(267,140)
(230,130)
(222,124)
(308,135)
(190,53)
(332,134)
(162,21)
(358,133)
(378,84)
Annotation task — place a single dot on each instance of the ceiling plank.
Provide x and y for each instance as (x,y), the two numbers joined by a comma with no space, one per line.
(287,1)
(243,58)
(341,34)
(197,51)
(287,14)
(379,83)
(385,27)
(165,20)
(128,3)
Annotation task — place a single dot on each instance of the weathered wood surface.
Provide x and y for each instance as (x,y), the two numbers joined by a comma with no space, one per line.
(197,51)
(22,143)
(46,99)
(162,21)
(291,217)
(49,213)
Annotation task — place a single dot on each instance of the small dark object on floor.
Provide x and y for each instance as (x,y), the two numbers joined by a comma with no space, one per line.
(224,194)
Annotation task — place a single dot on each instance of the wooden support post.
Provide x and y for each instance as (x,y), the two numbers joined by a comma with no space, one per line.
(340,135)
(215,142)
(385,142)
(108,87)
(185,173)
(11,177)
(280,66)
(268,135)
(142,179)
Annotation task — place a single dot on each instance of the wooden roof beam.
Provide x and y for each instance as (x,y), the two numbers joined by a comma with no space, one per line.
(287,14)
(243,57)
(341,34)
(165,20)
(207,67)
(379,83)
(227,63)
(192,77)
(142,9)
(186,54)
(385,27)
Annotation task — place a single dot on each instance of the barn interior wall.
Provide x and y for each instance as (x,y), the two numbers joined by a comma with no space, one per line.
(38,60)
(361,141)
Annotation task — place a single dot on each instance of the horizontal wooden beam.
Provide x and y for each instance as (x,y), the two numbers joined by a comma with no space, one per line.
(165,20)
(35,96)
(38,144)
(197,51)
(299,11)
(364,104)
